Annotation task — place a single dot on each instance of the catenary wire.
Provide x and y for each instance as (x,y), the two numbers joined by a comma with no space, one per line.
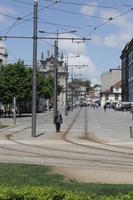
(58,24)
(77,13)
(83,4)
(23,2)
(11,27)
(23,20)
(109,20)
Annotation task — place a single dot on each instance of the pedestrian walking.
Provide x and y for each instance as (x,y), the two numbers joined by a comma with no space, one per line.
(68,107)
(105,108)
(58,121)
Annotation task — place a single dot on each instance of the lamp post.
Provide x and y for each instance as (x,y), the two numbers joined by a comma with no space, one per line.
(34,70)
(56,70)
(72,85)
(66,91)
(66,103)
(56,74)
(55,79)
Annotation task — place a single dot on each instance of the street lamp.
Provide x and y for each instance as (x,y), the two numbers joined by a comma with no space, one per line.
(56,67)
(66,67)
(34,70)
(42,31)
(77,66)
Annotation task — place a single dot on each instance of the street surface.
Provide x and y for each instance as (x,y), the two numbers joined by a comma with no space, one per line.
(93,145)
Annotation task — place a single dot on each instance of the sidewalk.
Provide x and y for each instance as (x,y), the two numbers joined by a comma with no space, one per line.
(110,126)
(45,128)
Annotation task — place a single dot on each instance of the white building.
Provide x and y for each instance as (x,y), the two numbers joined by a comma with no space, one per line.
(108,81)
(113,95)
(47,68)
(110,78)
(3,59)
(3,54)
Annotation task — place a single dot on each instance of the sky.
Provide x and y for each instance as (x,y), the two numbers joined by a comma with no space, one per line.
(107,23)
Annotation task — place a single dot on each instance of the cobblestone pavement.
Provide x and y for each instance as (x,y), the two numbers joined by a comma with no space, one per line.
(93,145)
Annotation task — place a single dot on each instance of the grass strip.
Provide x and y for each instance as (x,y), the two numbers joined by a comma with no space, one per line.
(22,175)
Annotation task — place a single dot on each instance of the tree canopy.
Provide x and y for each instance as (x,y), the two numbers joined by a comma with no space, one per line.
(87,84)
(16,81)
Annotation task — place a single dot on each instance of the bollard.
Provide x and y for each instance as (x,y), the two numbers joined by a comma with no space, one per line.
(131,131)
(131,112)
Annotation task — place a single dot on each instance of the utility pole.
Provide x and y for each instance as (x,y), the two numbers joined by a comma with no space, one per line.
(34,70)
(66,66)
(72,88)
(14,110)
(55,78)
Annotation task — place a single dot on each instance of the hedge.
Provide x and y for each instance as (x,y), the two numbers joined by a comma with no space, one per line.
(50,193)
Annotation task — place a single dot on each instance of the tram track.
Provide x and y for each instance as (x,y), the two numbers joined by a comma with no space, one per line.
(64,157)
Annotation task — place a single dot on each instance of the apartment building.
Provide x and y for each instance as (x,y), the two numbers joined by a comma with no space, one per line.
(127,72)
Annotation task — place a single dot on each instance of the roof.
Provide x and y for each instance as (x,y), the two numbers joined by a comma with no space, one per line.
(117,84)
(110,91)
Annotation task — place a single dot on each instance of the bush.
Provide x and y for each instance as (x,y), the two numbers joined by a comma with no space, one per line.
(49,193)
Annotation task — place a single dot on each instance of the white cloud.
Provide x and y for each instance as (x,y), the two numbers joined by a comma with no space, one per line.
(115,40)
(121,28)
(89,10)
(121,22)
(71,49)
(121,32)
(6,10)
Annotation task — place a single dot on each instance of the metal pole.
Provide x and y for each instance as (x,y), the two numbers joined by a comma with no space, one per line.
(34,71)
(131,131)
(14,110)
(55,79)
(72,88)
(66,66)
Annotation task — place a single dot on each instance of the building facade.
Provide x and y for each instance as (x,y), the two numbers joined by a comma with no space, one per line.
(47,68)
(110,78)
(108,82)
(3,60)
(113,95)
(127,72)
(3,54)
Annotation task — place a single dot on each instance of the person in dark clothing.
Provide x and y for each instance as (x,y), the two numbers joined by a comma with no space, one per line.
(68,107)
(58,121)
(105,106)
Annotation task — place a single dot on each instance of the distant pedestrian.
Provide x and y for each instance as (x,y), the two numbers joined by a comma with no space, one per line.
(96,105)
(50,107)
(68,107)
(105,107)
(58,121)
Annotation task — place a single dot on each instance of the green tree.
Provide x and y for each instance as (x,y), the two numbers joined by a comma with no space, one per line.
(16,81)
(12,83)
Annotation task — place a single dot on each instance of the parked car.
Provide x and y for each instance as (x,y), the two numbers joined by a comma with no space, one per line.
(124,106)
(83,104)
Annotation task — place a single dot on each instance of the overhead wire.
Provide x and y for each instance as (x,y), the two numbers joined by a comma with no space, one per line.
(58,24)
(77,13)
(23,2)
(83,4)
(109,20)
(11,27)
(12,54)
(25,16)
(9,16)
